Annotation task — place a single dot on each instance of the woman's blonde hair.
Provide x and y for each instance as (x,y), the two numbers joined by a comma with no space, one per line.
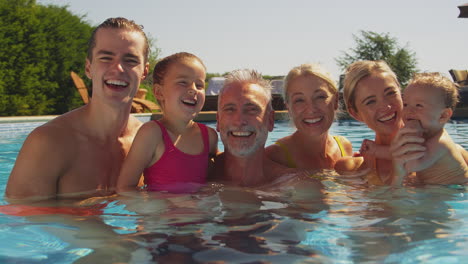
(309,70)
(356,72)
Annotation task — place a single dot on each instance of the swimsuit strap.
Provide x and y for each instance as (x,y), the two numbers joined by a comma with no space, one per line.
(287,155)
(340,145)
(168,141)
(205,137)
(168,144)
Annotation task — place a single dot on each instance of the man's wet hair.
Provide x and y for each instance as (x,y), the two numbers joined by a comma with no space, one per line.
(118,23)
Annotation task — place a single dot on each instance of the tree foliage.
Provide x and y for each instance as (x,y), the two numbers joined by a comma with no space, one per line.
(375,46)
(39,46)
(153,58)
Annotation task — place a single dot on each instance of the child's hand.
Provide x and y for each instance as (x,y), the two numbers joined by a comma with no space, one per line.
(368,148)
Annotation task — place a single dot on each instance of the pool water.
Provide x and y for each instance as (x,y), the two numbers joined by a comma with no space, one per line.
(284,223)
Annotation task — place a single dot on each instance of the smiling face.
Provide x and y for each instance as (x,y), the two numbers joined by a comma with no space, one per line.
(244,118)
(425,104)
(182,92)
(117,65)
(311,104)
(378,103)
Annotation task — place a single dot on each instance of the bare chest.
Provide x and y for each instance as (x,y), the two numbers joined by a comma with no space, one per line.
(314,160)
(92,167)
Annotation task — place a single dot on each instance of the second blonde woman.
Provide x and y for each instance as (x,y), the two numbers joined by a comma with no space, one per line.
(311,97)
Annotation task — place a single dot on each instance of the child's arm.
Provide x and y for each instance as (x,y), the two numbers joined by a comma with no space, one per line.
(463,152)
(140,156)
(369,149)
(349,164)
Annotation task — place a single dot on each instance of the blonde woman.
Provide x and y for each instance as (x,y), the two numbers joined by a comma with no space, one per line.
(311,97)
(372,95)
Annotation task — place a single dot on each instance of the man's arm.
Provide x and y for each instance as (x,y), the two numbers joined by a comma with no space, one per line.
(38,166)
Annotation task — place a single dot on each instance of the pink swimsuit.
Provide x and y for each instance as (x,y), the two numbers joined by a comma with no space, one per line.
(175,166)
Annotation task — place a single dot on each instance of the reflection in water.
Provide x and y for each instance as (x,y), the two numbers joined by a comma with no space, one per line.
(286,222)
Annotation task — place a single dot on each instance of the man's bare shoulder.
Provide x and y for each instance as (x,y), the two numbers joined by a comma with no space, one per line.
(60,130)
(47,151)
(55,132)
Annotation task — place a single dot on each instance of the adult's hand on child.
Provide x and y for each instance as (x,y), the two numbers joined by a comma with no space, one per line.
(406,146)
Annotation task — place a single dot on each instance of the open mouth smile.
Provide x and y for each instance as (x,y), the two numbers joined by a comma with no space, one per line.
(387,117)
(189,102)
(116,84)
(241,133)
(313,121)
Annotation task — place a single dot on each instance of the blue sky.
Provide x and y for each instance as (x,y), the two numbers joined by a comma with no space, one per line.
(273,36)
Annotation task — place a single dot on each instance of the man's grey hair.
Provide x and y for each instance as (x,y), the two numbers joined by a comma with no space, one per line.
(251,77)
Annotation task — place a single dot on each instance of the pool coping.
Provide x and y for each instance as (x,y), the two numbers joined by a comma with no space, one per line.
(204,116)
(44,118)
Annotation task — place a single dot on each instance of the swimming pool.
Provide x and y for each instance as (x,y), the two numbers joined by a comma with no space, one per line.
(278,225)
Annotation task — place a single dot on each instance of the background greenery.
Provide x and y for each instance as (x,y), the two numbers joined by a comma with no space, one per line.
(40,45)
(381,46)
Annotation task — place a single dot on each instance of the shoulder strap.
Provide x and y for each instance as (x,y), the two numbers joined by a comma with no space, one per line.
(287,155)
(337,139)
(166,138)
(205,137)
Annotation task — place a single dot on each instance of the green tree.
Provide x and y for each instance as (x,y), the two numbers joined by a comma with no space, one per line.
(375,46)
(39,46)
(153,58)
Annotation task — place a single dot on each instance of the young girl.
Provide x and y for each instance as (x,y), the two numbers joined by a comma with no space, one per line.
(173,152)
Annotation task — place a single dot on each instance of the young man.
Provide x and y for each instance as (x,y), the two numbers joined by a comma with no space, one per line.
(80,152)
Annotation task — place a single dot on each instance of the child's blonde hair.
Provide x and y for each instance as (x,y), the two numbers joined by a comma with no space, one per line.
(438,81)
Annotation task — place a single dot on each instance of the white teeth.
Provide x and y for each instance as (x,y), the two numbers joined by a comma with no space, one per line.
(116,82)
(386,118)
(313,121)
(190,102)
(241,133)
